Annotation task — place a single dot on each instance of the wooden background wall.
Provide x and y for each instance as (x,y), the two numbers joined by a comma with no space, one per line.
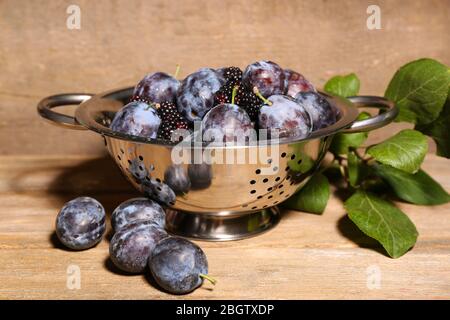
(121,40)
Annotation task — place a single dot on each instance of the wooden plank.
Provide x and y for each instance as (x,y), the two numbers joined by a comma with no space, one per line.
(305,256)
(120,41)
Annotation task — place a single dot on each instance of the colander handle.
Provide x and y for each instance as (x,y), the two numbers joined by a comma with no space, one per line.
(382,119)
(46,105)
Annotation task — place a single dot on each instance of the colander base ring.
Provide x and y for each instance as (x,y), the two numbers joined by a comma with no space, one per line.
(206,227)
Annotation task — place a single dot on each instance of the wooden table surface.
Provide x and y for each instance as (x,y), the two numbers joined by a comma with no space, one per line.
(305,256)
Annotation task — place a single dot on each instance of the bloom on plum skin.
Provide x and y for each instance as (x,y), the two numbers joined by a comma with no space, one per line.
(131,246)
(284,118)
(196,94)
(157,87)
(137,119)
(267,76)
(295,83)
(227,123)
(137,209)
(80,224)
(177,265)
(320,110)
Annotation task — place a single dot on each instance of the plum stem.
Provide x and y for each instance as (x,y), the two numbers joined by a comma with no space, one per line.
(177,71)
(259,95)
(210,279)
(233,94)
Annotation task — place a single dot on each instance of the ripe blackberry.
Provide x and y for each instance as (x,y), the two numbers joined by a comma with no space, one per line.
(248,101)
(224,94)
(171,120)
(140,99)
(233,75)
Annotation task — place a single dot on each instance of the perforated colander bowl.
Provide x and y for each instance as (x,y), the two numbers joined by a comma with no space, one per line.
(224,200)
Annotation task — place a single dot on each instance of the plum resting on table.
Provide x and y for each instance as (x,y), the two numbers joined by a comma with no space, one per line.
(138,209)
(284,118)
(137,119)
(132,245)
(156,87)
(81,223)
(227,122)
(196,93)
(267,76)
(178,265)
(320,110)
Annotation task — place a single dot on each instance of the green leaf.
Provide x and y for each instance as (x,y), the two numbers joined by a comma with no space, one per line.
(439,130)
(418,188)
(419,90)
(313,197)
(405,150)
(342,141)
(381,220)
(344,86)
(356,169)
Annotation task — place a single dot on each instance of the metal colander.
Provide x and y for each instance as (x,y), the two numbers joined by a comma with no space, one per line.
(225,201)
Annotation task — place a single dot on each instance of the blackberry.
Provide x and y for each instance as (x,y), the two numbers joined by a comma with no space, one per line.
(140,99)
(224,94)
(171,120)
(232,75)
(248,101)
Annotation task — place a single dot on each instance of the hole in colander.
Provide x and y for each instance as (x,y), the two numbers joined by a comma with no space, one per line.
(252,181)
(265,180)
(283,154)
(292,182)
(147,178)
(129,161)
(141,158)
(253,191)
(287,168)
(118,157)
(275,202)
(293,157)
(277,179)
(158,180)
(287,196)
(280,186)
(299,161)
(259,197)
(258,171)
(141,168)
(270,197)
(253,208)
(159,189)
(264,206)
(269,161)
(281,193)
(269,189)
(172,203)
(121,151)
(288,177)
(275,168)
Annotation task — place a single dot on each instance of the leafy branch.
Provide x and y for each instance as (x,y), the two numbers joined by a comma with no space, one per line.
(371,175)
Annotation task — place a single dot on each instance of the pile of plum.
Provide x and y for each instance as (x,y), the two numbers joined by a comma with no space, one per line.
(140,242)
(229,104)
